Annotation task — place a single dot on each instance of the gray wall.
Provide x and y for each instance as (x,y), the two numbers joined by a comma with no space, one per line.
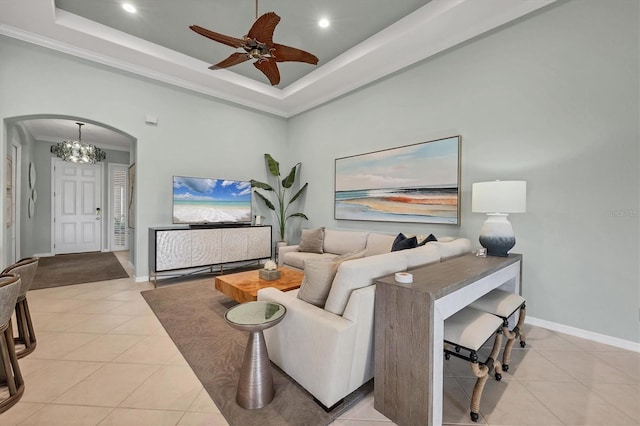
(552,100)
(196,135)
(18,136)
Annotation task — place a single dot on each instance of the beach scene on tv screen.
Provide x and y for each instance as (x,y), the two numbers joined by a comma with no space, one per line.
(199,200)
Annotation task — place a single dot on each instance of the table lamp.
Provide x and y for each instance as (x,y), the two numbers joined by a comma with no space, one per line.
(497,199)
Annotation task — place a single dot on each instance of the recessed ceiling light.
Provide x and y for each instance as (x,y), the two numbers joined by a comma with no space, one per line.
(324,23)
(129,7)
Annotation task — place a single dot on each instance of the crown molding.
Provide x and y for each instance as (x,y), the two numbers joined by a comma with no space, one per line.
(434,28)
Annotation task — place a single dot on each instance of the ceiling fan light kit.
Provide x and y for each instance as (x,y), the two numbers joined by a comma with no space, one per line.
(258,45)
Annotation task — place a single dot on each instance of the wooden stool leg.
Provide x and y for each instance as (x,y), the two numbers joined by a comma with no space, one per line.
(14,380)
(26,334)
(521,317)
(6,363)
(17,374)
(512,335)
(482,373)
(21,323)
(493,361)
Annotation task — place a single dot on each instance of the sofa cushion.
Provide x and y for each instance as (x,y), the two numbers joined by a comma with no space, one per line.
(296,259)
(318,276)
(452,248)
(343,242)
(402,242)
(312,240)
(358,273)
(423,255)
(379,243)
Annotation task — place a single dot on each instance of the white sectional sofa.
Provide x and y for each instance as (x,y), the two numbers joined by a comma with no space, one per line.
(329,350)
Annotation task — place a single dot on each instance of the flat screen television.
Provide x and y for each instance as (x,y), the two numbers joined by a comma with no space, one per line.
(201,201)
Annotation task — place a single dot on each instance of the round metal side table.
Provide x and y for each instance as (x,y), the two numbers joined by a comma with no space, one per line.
(255,385)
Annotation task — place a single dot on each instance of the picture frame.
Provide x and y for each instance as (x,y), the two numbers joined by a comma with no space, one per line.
(131,205)
(418,183)
(9,192)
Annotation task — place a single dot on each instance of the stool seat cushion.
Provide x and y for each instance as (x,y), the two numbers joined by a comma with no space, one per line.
(499,302)
(470,328)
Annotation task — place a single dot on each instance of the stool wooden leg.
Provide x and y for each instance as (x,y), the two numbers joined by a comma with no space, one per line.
(512,335)
(26,333)
(13,376)
(520,325)
(481,371)
(493,361)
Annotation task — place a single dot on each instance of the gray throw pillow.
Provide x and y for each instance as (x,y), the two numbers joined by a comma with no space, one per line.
(312,240)
(318,277)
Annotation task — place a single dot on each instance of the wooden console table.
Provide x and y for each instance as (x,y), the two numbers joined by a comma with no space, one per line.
(409,327)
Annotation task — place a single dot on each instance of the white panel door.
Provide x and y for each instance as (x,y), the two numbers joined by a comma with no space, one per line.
(77,208)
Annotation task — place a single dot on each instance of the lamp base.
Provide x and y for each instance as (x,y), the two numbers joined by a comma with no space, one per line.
(496,235)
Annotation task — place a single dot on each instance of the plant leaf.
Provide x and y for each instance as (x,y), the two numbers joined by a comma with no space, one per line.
(261,185)
(266,201)
(288,181)
(302,215)
(273,165)
(299,193)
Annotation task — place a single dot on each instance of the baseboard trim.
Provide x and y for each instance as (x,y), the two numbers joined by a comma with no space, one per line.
(43,255)
(585,334)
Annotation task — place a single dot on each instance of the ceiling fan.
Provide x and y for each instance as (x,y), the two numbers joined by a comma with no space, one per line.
(258,44)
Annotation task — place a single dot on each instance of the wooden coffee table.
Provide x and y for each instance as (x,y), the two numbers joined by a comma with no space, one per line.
(244,286)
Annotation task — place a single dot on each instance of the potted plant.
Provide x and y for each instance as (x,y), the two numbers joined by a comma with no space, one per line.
(283,201)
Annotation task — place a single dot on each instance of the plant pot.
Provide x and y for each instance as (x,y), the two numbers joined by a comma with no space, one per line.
(278,245)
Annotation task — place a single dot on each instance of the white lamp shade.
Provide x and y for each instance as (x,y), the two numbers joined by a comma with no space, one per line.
(500,196)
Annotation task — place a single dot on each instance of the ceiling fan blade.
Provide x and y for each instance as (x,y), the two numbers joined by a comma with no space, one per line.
(262,30)
(220,38)
(270,69)
(283,53)
(234,59)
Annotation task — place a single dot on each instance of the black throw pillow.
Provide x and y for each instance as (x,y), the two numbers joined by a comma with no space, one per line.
(402,243)
(431,237)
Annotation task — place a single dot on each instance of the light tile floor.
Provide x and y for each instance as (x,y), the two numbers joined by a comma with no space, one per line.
(104,359)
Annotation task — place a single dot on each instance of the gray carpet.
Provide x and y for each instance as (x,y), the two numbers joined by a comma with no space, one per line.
(67,269)
(192,313)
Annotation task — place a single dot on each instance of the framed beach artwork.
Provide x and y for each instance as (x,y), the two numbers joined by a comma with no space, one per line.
(417,183)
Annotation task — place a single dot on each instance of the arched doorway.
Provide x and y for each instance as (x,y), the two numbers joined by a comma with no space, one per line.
(33,212)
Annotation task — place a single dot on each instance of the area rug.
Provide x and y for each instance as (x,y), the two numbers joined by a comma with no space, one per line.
(192,314)
(67,269)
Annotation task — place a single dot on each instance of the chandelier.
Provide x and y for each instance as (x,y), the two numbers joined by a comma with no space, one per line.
(78,152)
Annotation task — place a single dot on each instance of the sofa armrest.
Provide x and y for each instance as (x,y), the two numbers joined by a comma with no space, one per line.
(285,249)
(360,309)
(313,346)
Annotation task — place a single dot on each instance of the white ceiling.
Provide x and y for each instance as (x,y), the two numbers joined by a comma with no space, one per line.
(367,40)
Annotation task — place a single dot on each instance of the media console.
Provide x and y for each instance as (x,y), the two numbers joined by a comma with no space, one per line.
(182,247)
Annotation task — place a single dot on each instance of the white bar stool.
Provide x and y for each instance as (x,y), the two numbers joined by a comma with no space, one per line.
(469,329)
(504,304)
